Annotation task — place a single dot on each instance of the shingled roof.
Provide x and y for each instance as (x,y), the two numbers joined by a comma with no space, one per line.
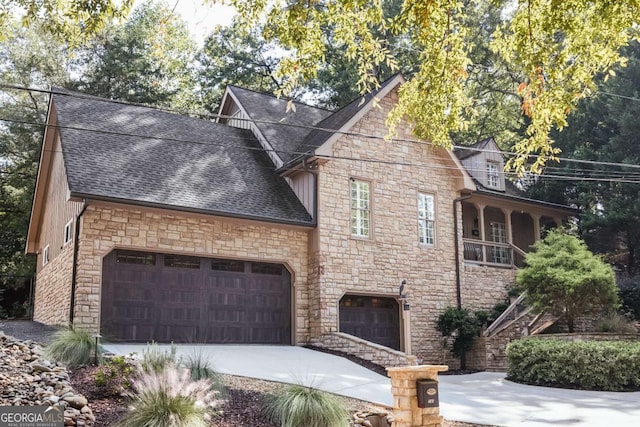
(284,130)
(144,156)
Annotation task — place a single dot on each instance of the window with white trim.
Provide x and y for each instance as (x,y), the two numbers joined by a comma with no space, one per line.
(426,219)
(493,175)
(67,232)
(360,208)
(499,254)
(45,255)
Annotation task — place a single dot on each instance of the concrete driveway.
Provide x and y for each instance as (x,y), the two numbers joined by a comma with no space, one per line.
(286,364)
(483,398)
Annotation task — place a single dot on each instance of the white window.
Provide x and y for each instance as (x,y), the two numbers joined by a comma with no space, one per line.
(67,232)
(499,254)
(426,219)
(360,208)
(493,176)
(45,255)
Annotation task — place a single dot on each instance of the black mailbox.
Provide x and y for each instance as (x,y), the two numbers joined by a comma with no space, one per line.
(427,393)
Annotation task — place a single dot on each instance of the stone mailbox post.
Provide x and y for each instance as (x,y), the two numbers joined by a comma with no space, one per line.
(404,387)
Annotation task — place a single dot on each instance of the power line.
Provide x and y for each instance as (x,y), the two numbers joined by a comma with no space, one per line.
(356,134)
(345,158)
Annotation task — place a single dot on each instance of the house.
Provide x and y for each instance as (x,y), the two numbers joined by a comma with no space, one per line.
(271,225)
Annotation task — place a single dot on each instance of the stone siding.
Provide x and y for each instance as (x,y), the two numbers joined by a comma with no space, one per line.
(342,264)
(483,287)
(108,227)
(52,300)
(363,349)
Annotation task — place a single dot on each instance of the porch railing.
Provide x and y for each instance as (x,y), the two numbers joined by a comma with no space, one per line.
(488,253)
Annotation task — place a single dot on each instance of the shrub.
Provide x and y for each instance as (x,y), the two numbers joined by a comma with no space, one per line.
(170,398)
(589,365)
(114,376)
(300,406)
(616,322)
(71,346)
(464,326)
(565,279)
(200,369)
(154,359)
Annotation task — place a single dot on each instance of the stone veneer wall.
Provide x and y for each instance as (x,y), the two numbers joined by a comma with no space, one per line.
(482,287)
(107,227)
(52,298)
(342,264)
(363,349)
(496,345)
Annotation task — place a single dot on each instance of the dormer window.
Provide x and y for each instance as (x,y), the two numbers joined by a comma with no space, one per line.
(493,175)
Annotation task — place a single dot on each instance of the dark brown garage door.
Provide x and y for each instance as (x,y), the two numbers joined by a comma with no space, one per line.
(162,297)
(374,319)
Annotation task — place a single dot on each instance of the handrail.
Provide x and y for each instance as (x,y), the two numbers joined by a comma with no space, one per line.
(492,327)
(518,250)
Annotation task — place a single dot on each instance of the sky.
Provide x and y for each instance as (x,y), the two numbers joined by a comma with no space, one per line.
(201,18)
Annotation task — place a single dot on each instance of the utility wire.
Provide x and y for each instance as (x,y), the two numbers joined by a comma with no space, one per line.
(357,134)
(346,158)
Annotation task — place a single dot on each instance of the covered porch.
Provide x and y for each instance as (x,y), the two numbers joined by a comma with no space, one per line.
(499,230)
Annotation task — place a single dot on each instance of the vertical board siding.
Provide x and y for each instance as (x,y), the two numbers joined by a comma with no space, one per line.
(57,210)
(477,166)
(303,185)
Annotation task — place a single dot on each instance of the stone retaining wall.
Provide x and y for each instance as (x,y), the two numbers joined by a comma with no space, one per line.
(363,349)
(593,336)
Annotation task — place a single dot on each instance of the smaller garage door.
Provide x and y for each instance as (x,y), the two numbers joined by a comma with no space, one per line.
(374,319)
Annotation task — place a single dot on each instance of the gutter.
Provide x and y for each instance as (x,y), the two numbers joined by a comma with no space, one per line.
(457,248)
(76,246)
(191,210)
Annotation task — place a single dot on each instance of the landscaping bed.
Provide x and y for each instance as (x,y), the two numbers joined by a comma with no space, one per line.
(244,401)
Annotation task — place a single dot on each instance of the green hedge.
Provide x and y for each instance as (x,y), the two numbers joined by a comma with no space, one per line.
(588,365)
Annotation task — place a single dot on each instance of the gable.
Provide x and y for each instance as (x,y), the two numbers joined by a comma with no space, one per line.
(478,158)
(351,118)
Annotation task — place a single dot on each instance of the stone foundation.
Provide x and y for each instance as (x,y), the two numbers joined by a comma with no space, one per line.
(406,412)
(363,349)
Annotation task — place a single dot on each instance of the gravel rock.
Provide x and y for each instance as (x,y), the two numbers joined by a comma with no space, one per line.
(26,380)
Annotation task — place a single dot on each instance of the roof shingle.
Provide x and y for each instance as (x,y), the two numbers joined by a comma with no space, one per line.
(141,155)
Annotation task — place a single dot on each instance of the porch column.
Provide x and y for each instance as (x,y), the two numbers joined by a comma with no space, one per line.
(480,209)
(507,224)
(536,226)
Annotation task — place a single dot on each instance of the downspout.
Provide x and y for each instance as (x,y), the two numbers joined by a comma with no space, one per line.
(76,246)
(457,248)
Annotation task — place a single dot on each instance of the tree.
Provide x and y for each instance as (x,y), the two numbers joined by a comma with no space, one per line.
(558,47)
(235,56)
(73,21)
(28,58)
(148,60)
(563,277)
(603,129)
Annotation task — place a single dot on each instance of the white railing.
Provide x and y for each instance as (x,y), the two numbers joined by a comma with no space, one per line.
(491,253)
